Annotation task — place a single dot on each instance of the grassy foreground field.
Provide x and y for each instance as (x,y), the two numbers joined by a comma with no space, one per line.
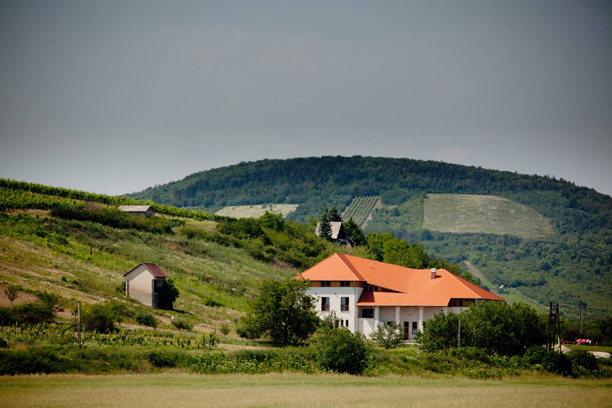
(294,390)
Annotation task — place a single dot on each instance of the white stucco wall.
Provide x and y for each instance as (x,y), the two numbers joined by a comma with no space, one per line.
(334,294)
(139,285)
(365,326)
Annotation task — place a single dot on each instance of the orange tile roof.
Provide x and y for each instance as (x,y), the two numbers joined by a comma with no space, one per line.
(412,287)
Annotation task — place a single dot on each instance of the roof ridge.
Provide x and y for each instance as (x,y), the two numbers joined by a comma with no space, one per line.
(350,266)
(469,285)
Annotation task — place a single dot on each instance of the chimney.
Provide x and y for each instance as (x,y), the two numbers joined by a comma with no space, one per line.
(433,273)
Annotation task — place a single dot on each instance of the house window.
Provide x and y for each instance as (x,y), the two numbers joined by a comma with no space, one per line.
(325,304)
(367,313)
(346,324)
(326,284)
(344,304)
(345,283)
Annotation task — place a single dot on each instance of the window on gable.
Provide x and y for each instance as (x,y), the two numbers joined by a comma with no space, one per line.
(344,304)
(325,304)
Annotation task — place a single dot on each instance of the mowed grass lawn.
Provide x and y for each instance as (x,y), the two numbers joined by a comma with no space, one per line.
(297,390)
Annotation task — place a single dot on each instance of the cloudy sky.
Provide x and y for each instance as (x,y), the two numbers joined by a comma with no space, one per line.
(116,96)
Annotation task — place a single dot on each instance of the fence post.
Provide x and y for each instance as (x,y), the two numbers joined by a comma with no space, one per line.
(79,324)
(459,334)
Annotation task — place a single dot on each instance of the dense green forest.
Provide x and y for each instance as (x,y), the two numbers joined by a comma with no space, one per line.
(574,263)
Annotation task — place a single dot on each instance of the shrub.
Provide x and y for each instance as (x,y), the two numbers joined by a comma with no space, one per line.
(557,363)
(33,360)
(388,335)
(584,359)
(225,329)
(6,317)
(471,353)
(33,313)
(165,358)
(99,317)
(146,318)
(535,355)
(182,324)
(212,303)
(342,351)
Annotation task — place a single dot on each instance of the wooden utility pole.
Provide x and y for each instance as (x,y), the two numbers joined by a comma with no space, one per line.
(580,333)
(79,324)
(554,326)
(459,334)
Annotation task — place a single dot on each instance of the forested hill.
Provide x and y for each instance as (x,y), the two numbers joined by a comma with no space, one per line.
(569,258)
(317,182)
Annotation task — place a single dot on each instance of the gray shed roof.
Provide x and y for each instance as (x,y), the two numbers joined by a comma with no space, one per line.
(134,208)
(335,226)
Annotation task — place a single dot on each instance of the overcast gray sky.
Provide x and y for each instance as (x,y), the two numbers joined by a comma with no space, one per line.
(116,96)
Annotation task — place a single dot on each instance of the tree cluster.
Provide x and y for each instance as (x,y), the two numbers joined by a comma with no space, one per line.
(495,327)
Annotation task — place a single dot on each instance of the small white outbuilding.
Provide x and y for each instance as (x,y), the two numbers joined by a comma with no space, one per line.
(142,210)
(144,282)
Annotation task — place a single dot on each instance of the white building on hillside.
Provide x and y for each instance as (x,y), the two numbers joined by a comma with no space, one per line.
(363,294)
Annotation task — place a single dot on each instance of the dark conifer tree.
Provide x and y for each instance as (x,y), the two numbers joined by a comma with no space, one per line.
(325,229)
(334,215)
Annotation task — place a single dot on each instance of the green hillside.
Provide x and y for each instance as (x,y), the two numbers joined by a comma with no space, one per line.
(562,251)
(79,248)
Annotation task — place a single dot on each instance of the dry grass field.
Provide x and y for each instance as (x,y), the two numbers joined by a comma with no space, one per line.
(458,213)
(295,390)
(256,211)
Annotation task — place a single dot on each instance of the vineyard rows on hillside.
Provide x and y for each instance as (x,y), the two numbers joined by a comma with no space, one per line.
(17,195)
(360,208)
(458,213)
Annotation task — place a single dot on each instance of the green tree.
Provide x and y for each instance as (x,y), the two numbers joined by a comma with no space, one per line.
(354,231)
(342,351)
(388,335)
(168,294)
(33,313)
(604,325)
(282,311)
(325,229)
(334,215)
(99,317)
(493,326)
(12,292)
(440,333)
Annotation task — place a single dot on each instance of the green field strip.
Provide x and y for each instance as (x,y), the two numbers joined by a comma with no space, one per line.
(457,213)
(256,211)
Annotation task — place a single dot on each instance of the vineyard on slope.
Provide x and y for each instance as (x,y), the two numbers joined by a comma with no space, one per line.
(360,208)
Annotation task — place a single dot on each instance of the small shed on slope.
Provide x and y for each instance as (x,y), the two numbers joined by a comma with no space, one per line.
(143,210)
(144,282)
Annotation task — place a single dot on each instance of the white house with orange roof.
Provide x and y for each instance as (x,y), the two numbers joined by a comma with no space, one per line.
(362,294)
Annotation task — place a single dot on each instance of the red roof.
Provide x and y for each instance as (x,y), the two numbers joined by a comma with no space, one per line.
(409,287)
(151,267)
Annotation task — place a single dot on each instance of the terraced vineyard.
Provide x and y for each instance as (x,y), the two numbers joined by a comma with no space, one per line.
(360,209)
(458,213)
